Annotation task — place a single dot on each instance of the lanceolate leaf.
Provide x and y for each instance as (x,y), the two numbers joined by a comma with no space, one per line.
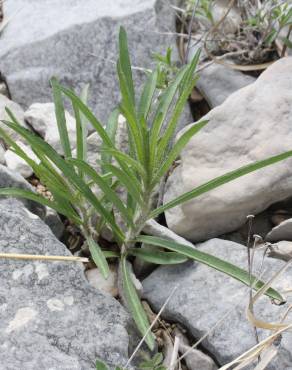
(26,194)
(105,187)
(61,118)
(218,181)
(98,257)
(135,305)
(88,115)
(130,183)
(186,86)
(125,63)
(100,365)
(210,260)
(147,95)
(158,257)
(177,148)
(111,129)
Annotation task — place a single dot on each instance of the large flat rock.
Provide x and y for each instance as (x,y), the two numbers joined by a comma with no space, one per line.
(77,41)
(252,124)
(51,318)
(204,296)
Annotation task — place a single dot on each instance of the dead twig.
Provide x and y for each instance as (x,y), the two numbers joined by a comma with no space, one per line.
(43,257)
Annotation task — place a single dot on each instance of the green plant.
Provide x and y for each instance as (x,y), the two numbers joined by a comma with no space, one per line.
(151,124)
(269,20)
(166,69)
(203,9)
(263,23)
(154,363)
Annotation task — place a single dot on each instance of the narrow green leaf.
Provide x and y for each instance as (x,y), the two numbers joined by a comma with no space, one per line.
(165,103)
(127,109)
(186,87)
(130,183)
(111,129)
(79,133)
(98,257)
(105,187)
(61,118)
(167,136)
(26,194)
(218,181)
(135,305)
(176,150)
(158,257)
(127,160)
(211,261)
(125,63)
(88,115)
(100,365)
(147,95)
(84,98)
(111,254)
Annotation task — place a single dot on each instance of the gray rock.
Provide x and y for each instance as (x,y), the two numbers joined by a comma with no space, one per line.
(205,295)
(77,42)
(281,250)
(152,227)
(17,164)
(42,118)
(217,82)
(54,222)
(281,232)
(51,318)
(238,133)
(233,19)
(11,179)
(109,285)
(17,112)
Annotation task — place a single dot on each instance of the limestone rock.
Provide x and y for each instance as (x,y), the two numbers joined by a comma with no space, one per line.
(108,285)
(51,318)
(54,222)
(217,82)
(238,133)
(232,21)
(77,42)
(281,250)
(205,295)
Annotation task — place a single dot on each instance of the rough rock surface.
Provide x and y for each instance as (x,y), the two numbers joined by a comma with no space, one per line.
(217,82)
(16,163)
(281,250)
(77,42)
(41,116)
(17,112)
(54,222)
(238,133)
(10,179)
(51,318)
(205,295)
(109,285)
